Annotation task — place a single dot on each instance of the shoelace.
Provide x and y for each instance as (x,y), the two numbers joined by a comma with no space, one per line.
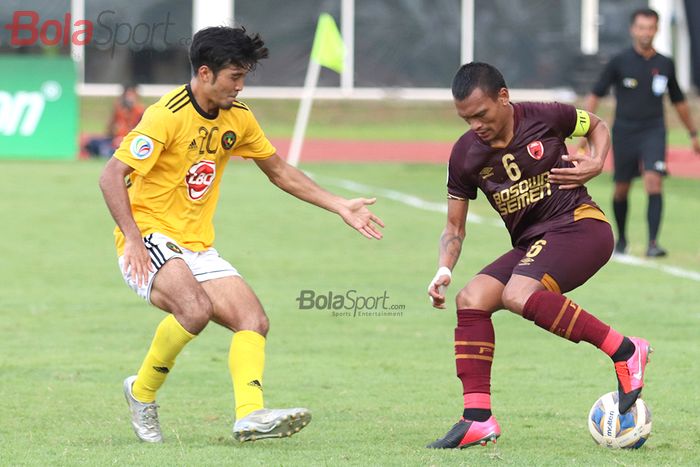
(149,417)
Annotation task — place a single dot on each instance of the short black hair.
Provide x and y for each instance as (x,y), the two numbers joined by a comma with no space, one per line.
(220,46)
(648,12)
(477,75)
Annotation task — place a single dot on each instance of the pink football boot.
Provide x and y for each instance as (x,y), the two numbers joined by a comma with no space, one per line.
(467,433)
(630,374)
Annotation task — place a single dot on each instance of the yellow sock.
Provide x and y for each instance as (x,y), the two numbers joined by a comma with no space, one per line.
(246,360)
(169,340)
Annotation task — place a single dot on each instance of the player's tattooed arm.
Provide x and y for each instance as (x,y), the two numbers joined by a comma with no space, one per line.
(454,233)
(450,248)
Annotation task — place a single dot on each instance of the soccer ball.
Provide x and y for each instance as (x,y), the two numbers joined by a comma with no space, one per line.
(611,429)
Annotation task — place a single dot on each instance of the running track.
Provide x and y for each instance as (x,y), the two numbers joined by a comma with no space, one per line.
(681,161)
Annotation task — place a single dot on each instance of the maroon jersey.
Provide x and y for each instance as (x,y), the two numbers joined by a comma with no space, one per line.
(515,179)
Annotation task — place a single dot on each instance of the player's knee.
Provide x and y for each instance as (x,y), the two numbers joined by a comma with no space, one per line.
(475,299)
(263,326)
(466,299)
(514,299)
(196,310)
(257,322)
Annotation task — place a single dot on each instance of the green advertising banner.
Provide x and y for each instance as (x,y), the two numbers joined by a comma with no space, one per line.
(38,108)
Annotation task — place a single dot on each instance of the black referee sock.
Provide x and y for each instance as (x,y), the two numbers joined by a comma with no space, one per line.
(654,216)
(625,351)
(620,211)
(477,415)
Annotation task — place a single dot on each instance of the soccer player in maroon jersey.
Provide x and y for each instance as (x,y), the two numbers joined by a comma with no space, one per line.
(516,155)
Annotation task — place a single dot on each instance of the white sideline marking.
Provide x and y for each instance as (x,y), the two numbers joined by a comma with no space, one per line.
(401,197)
(668,269)
(419,203)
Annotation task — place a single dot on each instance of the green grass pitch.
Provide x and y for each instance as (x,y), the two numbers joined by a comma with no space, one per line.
(380,388)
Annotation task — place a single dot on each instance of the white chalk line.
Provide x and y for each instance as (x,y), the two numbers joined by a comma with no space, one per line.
(419,203)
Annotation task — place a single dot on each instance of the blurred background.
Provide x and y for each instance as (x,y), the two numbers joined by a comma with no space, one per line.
(381,388)
(64,61)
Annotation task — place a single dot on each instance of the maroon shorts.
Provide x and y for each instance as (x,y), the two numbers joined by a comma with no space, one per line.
(562,259)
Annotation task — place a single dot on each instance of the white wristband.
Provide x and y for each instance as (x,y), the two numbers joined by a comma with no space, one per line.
(443,271)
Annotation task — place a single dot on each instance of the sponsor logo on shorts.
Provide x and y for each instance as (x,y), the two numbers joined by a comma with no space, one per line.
(228,139)
(536,150)
(199,178)
(141,147)
(660,166)
(172,247)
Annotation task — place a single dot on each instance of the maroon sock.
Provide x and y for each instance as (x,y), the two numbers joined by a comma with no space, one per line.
(474,346)
(559,315)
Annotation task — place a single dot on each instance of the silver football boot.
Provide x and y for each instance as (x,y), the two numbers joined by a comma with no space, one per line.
(271,423)
(144,417)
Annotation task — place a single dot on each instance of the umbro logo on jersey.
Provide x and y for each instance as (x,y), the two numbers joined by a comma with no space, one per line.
(193,145)
(199,178)
(486,172)
(256,384)
(536,150)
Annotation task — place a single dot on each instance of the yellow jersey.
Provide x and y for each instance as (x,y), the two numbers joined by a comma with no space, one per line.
(179,153)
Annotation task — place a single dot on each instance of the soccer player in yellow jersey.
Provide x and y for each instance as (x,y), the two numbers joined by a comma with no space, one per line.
(173,162)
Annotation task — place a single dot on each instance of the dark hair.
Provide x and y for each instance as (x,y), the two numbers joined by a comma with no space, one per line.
(221,46)
(648,12)
(477,75)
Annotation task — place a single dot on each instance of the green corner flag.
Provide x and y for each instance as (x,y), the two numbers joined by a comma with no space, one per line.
(328,49)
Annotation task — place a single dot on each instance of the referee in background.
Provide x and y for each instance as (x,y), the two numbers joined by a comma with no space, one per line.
(641,76)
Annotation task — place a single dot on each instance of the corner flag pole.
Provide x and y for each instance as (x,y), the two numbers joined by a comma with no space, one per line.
(329,51)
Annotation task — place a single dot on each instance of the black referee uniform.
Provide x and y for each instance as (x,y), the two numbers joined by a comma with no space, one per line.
(639,130)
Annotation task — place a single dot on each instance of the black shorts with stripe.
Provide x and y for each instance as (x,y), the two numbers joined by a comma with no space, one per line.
(637,147)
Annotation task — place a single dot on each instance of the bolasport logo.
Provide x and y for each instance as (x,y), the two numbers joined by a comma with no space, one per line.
(349,303)
(106,32)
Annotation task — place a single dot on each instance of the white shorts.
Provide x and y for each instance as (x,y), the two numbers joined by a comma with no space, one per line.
(205,265)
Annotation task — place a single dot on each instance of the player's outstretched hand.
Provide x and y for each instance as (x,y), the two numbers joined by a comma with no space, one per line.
(355,213)
(585,168)
(137,261)
(437,287)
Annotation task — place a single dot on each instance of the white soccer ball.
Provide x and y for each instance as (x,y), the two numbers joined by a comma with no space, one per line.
(611,429)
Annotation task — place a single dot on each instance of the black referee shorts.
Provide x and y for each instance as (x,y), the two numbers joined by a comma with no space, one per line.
(638,146)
